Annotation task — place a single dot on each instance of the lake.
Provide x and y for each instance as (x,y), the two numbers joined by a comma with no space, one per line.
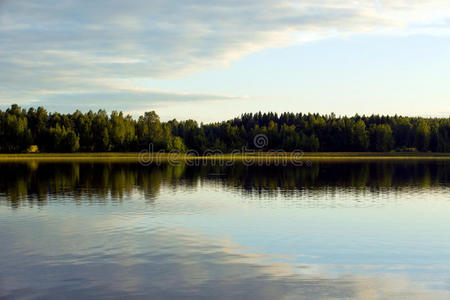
(377,229)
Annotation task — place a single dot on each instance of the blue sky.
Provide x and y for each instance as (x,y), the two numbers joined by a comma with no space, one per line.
(213,60)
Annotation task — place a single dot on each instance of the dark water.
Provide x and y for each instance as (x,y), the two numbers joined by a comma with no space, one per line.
(365,230)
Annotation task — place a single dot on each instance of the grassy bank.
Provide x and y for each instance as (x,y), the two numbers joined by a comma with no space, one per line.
(136,157)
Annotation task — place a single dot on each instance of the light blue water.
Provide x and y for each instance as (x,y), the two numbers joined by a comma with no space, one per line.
(66,233)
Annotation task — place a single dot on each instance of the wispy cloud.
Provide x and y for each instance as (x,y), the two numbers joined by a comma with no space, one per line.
(75,49)
(130,101)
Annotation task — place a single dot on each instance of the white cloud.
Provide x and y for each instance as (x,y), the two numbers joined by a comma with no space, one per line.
(77,48)
(132,101)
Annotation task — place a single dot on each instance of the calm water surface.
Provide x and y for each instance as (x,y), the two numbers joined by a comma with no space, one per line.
(366,230)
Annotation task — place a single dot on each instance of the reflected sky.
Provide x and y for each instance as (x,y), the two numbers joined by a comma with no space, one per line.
(380,231)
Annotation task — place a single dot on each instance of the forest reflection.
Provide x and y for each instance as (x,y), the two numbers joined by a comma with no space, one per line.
(36,182)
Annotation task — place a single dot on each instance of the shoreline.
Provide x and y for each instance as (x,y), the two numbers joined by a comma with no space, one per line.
(137,157)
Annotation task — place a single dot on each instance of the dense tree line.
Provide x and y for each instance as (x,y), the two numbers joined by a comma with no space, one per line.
(98,131)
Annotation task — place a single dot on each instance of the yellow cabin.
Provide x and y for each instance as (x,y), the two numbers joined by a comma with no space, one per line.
(33,149)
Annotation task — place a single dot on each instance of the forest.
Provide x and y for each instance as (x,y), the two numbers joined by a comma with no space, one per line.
(36,129)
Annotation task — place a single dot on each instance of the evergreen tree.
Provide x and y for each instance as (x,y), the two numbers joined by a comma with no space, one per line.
(288,132)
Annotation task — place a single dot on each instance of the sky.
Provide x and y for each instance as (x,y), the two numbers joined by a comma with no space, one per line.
(213,60)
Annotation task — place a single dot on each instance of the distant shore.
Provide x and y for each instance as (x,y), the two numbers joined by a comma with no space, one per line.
(137,157)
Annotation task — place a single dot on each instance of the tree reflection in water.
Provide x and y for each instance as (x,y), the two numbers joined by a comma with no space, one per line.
(37,182)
